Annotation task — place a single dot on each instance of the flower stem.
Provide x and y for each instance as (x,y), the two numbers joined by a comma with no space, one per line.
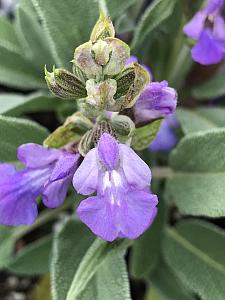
(161,172)
(103,7)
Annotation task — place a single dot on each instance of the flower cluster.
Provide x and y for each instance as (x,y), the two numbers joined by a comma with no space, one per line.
(92,149)
(208,28)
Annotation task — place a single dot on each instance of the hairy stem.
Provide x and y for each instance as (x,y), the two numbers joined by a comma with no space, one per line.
(103,7)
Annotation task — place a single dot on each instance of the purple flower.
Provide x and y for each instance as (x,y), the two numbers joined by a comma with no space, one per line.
(47,172)
(165,139)
(124,205)
(156,101)
(208,28)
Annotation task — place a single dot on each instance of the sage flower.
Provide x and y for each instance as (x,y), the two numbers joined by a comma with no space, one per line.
(156,101)
(47,173)
(207,27)
(123,205)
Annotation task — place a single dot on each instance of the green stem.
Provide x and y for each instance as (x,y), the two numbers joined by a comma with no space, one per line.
(103,7)
(161,172)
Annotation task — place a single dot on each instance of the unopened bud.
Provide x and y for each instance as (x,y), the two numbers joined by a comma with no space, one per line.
(100,95)
(102,29)
(101,52)
(123,125)
(105,57)
(64,84)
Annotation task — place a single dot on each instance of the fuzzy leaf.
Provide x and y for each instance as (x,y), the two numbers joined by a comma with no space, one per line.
(169,285)
(197,259)
(95,256)
(110,281)
(33,259)
(16,71)
(146,250)
(192,121)
(7,241)
(14,132)
(197,183)
(33,38)
(213,88)
(17,104)
(144,135)
(69,246)
(155,14)
(63,22)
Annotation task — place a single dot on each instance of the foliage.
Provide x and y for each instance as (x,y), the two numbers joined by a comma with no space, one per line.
(181,255)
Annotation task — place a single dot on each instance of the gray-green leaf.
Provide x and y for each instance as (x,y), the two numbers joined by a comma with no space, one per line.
(195,252)
(144,135)
(14,132)
(69,247)
(155,14)
(197,184)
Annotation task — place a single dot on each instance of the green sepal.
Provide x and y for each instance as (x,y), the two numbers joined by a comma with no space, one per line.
(86,143)
(144,135)
(64,84)
(124,81)
(102,29)
(124,128)
(71,131)
(140,81)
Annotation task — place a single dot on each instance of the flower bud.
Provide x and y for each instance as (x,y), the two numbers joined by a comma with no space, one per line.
(124,128)
(111,53)
(100,95)
(156,101)
(64,84)
(102,29)
(101,52)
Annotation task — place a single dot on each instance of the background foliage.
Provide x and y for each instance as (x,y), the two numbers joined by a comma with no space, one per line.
(182,255)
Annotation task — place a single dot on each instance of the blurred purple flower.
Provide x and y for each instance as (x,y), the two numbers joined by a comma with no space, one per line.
(47,172)
(156,101)
(165,139)
(208,28)
(124,205)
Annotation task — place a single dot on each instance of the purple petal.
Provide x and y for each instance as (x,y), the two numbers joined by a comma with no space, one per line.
(131,59)
(156,101)
(100,216)
(135,169)
(36,156)
(18,193)
(214,6)
(194,28)
(108,151)
(165,139)
(137,212)
(219,28)
(208,50)
(129,216)
(55,190)
(65,166)
(6,170)
(85,179)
